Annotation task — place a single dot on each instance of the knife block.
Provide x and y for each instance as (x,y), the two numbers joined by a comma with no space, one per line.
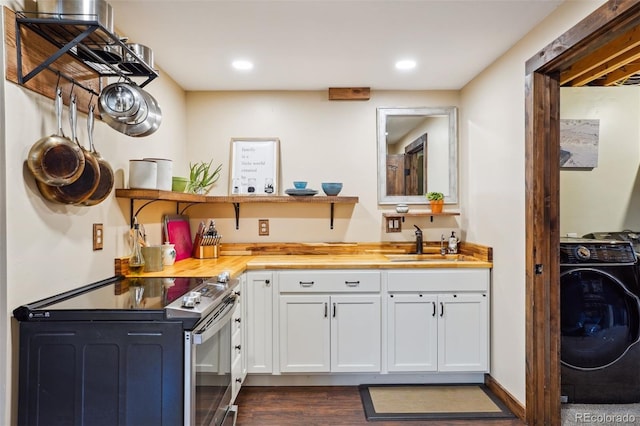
(206,252)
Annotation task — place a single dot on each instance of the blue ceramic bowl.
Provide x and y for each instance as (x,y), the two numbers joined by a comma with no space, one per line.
(299,184)
(332,188)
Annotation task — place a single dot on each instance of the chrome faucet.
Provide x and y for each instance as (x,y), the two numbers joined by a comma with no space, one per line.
(418,240)
(443,249)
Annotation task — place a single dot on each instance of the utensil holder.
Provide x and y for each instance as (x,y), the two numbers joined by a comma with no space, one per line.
(206,252)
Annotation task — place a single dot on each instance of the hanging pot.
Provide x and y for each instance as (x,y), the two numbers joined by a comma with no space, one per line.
(82,188)
(141,53)
(79,10)
(56,160)
(106,181)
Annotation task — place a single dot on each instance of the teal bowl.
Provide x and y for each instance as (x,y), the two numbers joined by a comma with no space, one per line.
(332,188)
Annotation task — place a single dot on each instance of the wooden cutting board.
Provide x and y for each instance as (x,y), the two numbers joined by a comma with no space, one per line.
(177,231)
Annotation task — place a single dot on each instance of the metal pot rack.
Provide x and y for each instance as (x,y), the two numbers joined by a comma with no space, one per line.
(80,39)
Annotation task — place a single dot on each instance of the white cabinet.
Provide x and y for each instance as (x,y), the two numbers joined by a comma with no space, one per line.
(463,332)
(304,334)
(329,321)
(238,340)
(412,332)
(259,322)
(438,320)
(355,333)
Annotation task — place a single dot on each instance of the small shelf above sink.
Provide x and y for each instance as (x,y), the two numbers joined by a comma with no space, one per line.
(393,220)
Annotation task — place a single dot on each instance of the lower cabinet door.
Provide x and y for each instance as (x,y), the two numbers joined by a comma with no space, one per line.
(304,333)
(355,333)
(463,334)
(412,332)
(259,322)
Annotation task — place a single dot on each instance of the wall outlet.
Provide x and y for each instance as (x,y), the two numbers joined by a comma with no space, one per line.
(98,236)
(263,227)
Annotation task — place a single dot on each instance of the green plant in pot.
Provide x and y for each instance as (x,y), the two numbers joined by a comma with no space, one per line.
(436,199)
(201,177)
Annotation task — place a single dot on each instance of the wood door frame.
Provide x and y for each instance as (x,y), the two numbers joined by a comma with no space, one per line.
(542,185)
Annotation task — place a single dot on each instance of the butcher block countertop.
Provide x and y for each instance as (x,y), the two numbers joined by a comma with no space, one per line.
(238,258)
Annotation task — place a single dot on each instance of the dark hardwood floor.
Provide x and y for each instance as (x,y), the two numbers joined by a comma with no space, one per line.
(320,406)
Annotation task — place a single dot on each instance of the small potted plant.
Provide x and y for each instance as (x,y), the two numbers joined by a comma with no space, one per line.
(436,199)
(201,178)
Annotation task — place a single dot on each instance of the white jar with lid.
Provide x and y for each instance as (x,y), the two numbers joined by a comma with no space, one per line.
(164,179)
(143,174)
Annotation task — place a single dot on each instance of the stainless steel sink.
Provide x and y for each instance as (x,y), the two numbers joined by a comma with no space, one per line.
(428,257)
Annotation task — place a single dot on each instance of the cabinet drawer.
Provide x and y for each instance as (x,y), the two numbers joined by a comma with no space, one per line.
(329,281)
(439,280)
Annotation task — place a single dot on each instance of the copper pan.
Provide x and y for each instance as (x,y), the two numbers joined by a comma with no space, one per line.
(56,160)
(81,189)
(105,186)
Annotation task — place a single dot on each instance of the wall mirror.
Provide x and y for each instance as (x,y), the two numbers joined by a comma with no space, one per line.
(417,153)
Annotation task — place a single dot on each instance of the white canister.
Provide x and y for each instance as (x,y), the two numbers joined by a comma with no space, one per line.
(165,173)
(143,174)
(168,254)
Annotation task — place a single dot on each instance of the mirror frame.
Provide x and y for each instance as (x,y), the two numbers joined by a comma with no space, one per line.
(382,114)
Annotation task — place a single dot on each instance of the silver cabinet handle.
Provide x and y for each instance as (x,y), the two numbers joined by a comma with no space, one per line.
(306,283)
(352,283)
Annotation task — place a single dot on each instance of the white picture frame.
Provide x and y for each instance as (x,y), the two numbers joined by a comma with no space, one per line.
(255,166)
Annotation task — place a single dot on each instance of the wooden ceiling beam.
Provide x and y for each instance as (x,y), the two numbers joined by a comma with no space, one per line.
(615,63)
(620,75)
(627,41)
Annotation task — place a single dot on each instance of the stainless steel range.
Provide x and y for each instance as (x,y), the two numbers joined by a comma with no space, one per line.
(129,351)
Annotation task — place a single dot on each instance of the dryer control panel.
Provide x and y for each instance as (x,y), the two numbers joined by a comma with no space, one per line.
(585,251)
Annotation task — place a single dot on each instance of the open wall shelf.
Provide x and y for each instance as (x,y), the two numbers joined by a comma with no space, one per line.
(152,195)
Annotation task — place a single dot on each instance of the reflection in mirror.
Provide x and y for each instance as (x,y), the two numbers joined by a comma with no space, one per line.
(417,153)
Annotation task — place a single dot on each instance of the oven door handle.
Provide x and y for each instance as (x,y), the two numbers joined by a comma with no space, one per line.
(211,328)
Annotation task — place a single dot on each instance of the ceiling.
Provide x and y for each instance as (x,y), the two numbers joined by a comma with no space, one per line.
(316,44)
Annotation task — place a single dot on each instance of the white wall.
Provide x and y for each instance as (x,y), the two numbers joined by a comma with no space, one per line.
(49,246)
(493,185)
(607,197)
(320,141)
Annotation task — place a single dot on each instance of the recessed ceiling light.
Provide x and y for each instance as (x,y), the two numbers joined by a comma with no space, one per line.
(242,65)
(406,64)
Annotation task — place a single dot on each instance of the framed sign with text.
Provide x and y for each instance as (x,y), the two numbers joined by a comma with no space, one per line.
(255,166)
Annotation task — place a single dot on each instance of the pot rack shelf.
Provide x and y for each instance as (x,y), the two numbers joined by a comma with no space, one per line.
(83,40)
(153,195)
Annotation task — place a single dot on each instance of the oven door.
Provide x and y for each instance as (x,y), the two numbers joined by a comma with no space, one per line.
(208,367)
